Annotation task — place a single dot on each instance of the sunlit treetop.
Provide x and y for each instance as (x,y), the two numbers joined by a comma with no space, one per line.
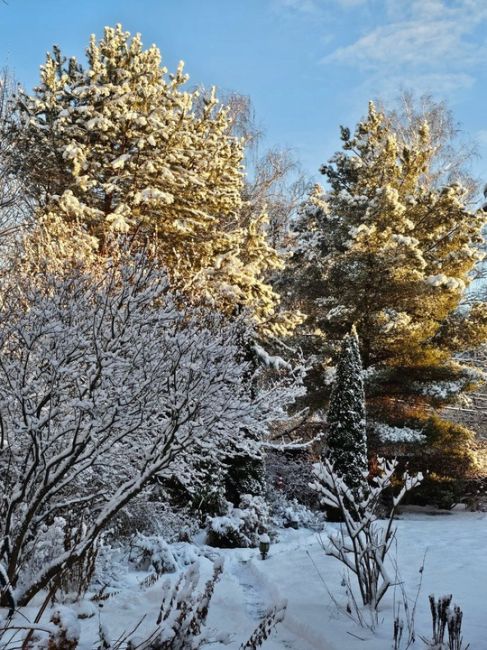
(119,147)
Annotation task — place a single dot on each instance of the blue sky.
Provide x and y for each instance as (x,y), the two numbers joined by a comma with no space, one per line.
(308,65)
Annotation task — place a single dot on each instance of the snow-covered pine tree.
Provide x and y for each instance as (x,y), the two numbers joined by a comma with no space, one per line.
(120,147)
(347,437)
(388,249)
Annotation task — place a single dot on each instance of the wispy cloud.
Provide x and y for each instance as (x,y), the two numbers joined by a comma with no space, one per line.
(387,87)
(301,6)
(420,40)
(316,7)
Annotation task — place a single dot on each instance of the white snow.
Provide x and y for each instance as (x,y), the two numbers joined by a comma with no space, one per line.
(298,571)
(388,433)
(271,361)
(441,280)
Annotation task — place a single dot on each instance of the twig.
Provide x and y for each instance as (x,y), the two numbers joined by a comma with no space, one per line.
(360,638)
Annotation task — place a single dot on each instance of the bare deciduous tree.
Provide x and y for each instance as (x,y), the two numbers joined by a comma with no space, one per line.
(275,182)
(454,151)
(14,205)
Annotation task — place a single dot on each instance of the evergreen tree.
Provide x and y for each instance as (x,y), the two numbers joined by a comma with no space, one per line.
(384,250)
(347,438)
(387,249)
(120,147)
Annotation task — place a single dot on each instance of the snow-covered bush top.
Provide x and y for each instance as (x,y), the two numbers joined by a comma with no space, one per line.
(240,526)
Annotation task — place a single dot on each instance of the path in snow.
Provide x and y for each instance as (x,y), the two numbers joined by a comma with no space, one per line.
(254,598)
(260,591)
(296,570)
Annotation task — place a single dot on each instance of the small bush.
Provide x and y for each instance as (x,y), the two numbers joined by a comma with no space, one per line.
(446,621)
(68,630)
(289,513)
(240,527)
(152,514)
(152,553)
(440,491)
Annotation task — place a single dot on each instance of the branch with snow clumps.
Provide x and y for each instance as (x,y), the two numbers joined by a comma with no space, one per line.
(103,386)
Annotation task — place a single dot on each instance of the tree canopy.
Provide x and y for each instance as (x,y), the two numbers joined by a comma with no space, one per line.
(120,147)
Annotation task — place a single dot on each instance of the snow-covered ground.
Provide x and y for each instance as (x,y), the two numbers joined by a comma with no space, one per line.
(298,570)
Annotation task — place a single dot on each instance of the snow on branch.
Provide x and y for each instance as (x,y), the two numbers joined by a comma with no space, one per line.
(362,544)
(104,385)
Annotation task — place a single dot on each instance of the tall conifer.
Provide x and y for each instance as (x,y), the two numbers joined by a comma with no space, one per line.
(347,437)
(386,249)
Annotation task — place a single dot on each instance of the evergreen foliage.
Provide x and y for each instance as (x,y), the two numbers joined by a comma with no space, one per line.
(120,147)
(388,250)
(347,439)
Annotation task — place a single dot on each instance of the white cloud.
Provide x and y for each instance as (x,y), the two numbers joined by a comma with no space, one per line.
(442,83)
(422,40)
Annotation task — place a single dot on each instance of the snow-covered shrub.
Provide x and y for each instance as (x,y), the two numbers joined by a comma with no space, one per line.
(255,510)
(109,372)
(226,531)
(184,611)
(290,518)
(211,485)
(241,526)
(201,497)
(398,434)
(61,633)
(296,515)
(67,632)
(152,554)
(445,455)
(210,500)
(152,513)
(272,617)
(111,566)
(50,543)
(362,544)
(290,513)
(56,538)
